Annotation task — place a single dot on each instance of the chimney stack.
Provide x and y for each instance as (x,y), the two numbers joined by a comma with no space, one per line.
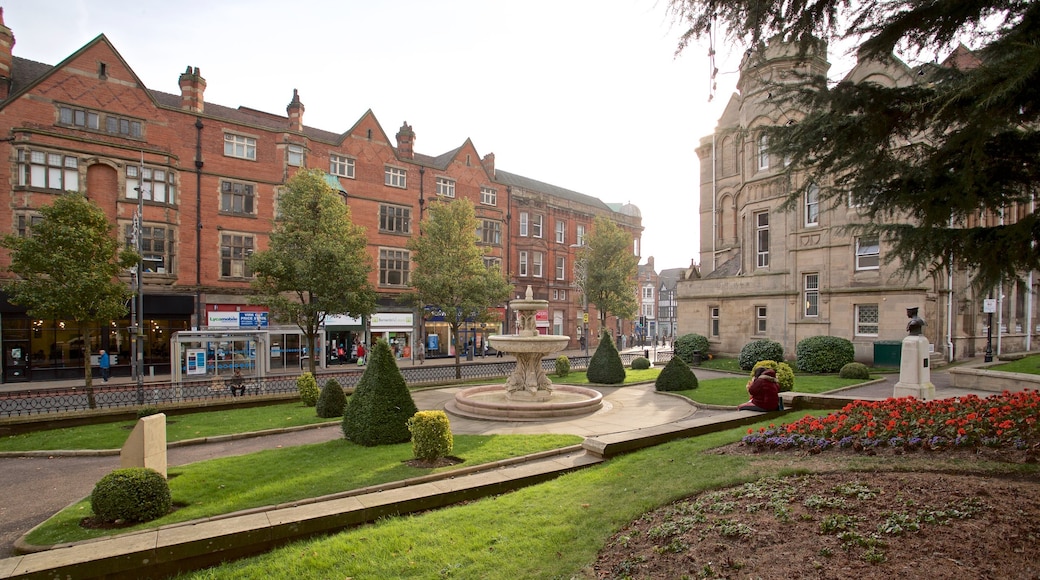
(6,58)
(489,164)
(295,111)
(405,141)
(193,86)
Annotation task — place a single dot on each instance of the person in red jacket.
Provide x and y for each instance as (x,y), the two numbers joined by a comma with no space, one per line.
(764,391)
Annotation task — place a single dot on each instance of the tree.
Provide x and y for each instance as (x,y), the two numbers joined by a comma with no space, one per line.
(450,273)
(68,268)
(610,271)
(316,263)
(923,161)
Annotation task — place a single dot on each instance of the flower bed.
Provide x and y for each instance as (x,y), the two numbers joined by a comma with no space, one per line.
(1006,420)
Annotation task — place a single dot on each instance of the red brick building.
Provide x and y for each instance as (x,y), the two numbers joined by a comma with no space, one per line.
(209,175)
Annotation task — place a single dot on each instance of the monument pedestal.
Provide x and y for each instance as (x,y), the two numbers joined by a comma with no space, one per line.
(915,376)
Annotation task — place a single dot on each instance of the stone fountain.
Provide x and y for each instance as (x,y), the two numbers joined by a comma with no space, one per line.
(528,394)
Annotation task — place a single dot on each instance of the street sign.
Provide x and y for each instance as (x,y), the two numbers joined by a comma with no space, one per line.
(585,317)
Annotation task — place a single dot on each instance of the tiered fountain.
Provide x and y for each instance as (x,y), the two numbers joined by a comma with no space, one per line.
(528,394)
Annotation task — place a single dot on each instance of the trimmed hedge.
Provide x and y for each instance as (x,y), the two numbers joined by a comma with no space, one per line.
(854,370)
(605,366)
(563,366)
(332,401)
(431,435)
(758,350)
(381,405)
(687,344)
(676,376)
(784,373)
(824,354)
(132,494)
(640,363)
(307,386)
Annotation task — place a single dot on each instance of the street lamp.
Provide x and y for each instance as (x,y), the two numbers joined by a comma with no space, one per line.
(580,281)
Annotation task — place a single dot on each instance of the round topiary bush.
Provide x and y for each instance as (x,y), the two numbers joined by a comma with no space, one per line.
(307,386)
(605,366)
(563,366)
(854,370)
(824,354)
(640,363)
(784,373)
(757,350)
(133,494)
(676,376)
(332,400)
(687,344)
(431,435)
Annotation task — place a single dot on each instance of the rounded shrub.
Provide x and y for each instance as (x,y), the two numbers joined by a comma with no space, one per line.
(332,400)
(676,376)
(640,363)
(307,386)
(563,366)
(431,435)
(757,350)
(854,370)
(605,366)
(824,354)
(132,494)
(784,373)
(381,405)
(687,344)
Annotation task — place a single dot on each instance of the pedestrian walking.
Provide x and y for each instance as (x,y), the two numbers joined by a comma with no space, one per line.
(106,365)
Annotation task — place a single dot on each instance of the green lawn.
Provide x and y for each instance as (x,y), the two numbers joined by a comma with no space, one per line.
(733,391)
(275,476)
(1029,365)
(178,428)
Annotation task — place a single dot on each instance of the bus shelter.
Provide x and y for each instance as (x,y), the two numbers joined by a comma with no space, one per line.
(213,354)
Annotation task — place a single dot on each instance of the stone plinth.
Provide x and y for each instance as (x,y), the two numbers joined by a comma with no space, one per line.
(146,446)
(915,376)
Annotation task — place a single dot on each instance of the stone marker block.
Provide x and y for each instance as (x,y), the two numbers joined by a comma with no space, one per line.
(146,446)
(915,376)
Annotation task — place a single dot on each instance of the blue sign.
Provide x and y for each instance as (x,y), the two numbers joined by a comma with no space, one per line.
(432,342)
(252,320)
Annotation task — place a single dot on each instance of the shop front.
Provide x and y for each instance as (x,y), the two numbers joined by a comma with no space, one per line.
(396,328)
(472,335)
(343,334)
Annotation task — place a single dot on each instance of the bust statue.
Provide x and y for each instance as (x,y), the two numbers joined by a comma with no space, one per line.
(916,323)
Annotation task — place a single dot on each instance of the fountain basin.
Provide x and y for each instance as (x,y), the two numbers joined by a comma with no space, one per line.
(493,402)
(542,343)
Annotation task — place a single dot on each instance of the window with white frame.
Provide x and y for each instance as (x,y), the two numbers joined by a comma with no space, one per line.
(525,220)
(648,310)
(760,320)
(763,152)
(536,264)
(580,235)
(236,197)
(239,146)
(812,205)
(235,250)
(648,292)
(812,294)
(868,253)
(445,187)
(294,155)
(561,267)
(394,267)
(156,247)
(713,327)
(762,238)
(341,165)
(536,226)
(395,219)
(563,294)
(488,196)
(158,185)
(48,170)
(557,322)
(395,177)
(489,232)
(522,267)
(561,232)
(867,320)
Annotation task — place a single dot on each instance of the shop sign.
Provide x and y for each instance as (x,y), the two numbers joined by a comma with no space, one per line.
(382,319)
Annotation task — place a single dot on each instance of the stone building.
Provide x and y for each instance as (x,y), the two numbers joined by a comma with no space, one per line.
(206,178)
(787,274)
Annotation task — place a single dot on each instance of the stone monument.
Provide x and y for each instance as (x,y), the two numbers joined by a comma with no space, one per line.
(915,376)
(146,446)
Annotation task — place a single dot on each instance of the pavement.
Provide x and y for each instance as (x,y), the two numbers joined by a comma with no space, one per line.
(36,487)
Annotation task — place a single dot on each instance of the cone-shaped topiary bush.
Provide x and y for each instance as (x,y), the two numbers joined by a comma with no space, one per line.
(132,494)
(676,376)
(332,401)
(381,405)
(605,367)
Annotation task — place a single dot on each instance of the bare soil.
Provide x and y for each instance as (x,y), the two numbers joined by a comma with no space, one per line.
(906,516)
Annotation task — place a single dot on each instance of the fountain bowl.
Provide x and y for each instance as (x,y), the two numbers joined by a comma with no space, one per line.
(492,402)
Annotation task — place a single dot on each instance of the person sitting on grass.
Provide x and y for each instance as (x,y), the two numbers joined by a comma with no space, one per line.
(764,391)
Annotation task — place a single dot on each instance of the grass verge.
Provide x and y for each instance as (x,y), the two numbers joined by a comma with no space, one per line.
(1029,365)
(733,391)
(274,476)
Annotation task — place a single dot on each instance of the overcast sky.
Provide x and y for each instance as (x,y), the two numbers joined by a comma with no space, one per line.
(582,94)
